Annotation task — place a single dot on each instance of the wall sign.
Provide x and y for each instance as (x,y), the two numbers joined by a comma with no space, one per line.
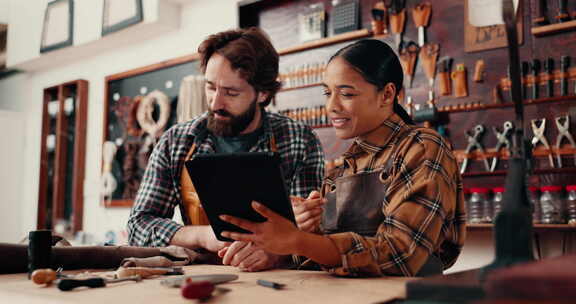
(488,37)
(58,25)
(119,14)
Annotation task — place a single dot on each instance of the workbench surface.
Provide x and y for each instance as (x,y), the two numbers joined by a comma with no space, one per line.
(301,287)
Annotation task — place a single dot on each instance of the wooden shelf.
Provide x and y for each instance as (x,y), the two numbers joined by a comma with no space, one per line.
(535,172)
(479,107)
(301,87)
(326,41)
(537,227)
(555,28)
(119,203)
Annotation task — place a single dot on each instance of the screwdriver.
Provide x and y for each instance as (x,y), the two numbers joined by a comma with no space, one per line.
(46,275)
(69,284)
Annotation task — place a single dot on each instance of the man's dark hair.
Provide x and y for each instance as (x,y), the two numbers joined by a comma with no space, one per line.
(251,53)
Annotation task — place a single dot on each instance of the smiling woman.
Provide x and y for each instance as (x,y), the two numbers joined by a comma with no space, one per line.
(399,207)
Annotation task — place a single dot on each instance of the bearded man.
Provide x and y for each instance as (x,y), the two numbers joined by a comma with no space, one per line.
(241,71)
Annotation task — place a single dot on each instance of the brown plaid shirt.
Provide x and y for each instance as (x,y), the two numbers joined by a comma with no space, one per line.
(423,209)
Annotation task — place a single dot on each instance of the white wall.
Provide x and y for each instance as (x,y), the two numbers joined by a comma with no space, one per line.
(10,206)
(23,93)
(4,11)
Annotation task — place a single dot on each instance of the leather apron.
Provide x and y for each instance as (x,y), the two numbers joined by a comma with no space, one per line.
(192,211)
(355,205)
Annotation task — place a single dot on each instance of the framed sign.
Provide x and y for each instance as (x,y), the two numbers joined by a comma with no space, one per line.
(119,14)
(311,23)
(58,25)
(488,37)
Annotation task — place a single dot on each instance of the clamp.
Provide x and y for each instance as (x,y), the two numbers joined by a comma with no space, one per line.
(563,125)
(538,128)
(473,143)
(503,141)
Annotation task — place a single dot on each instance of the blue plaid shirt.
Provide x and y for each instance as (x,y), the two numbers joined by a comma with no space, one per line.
(150,222)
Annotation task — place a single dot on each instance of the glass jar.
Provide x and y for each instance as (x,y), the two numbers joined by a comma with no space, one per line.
(497,201)
(553,208)
(466,192)
(571,205)
(478,203)
(534,199)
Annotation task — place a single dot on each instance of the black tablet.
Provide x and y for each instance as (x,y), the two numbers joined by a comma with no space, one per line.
(228,183)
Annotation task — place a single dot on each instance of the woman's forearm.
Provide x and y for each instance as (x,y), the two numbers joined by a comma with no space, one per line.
(319,248)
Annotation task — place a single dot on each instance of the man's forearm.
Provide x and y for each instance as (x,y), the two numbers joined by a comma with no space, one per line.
(189,237)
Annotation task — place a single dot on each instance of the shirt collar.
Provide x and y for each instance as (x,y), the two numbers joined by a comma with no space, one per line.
(390,128)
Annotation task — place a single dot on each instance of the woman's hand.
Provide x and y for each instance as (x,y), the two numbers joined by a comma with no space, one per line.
(276,235)
(308,212)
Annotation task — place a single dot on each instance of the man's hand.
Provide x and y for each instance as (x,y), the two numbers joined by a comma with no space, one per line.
(197,236)
(308,212)
(248,257)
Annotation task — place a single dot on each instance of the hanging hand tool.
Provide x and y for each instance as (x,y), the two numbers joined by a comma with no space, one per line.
(564,65)
(538,128)
(444,79)
(428,57)
(69,284)
(379,19)
(503,141)
(542,18)
(479,69)
(397,15)
(563,125)
(525,69)
(474,143)
(421,17)
(460,81)
(408,55)
(549,68)
(563,14)
(535,68)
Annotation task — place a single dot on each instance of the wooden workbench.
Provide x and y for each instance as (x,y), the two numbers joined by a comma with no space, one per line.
(301,287)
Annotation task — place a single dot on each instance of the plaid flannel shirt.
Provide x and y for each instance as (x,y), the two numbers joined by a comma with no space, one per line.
(423,208)
(150,222)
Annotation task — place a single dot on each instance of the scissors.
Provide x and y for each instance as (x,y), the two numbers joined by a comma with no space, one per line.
(563,125)
(538,128)
(473,143)
(503,141)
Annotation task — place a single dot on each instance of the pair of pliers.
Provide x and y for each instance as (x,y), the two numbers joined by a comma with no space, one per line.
(474,143)
(538,128)
(503,141)
(563,125)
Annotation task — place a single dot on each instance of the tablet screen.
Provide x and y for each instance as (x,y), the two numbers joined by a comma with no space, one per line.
(228,183)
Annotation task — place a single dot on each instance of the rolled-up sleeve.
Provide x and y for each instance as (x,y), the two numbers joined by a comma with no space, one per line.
(150,222)
(423,214)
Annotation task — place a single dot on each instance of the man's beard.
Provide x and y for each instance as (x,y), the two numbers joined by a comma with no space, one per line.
(233,126)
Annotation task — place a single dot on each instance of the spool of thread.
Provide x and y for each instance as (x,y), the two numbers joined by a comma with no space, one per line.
(39,250)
